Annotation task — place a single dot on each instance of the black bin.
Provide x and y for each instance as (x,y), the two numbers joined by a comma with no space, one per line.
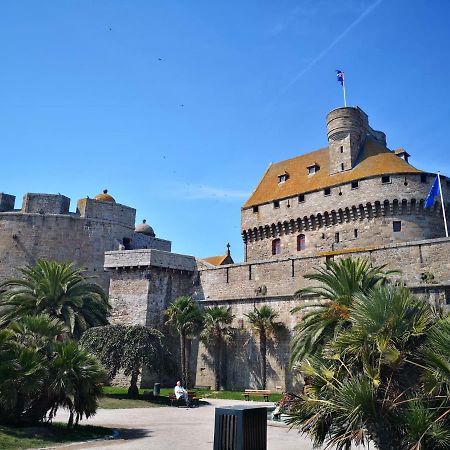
(156,389)
(240,428)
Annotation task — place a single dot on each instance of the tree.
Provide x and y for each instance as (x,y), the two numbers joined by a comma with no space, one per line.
(217,331)
(56,289)
(127,347)
(40,373)
(185,317)
(385,378)
(339,283)
(263,321)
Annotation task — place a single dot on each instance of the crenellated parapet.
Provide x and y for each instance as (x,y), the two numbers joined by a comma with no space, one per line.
(331,218)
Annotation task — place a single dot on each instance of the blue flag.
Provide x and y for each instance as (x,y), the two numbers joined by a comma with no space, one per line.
(340,77)
(434,191)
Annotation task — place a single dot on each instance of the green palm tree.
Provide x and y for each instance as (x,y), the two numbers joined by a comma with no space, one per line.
(376,379)
(263,321)
(56,289)
(217,331)
(185,317)
(39,373)
(338,285)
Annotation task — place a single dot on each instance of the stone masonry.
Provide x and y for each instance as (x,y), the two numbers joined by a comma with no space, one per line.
(44,228)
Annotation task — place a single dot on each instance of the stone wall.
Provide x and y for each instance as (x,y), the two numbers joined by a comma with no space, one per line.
(284,276)
(45,229)
(45,204)
(370,208)
(144,282)
(243,286)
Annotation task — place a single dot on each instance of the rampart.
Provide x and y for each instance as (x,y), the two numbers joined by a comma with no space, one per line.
(145,282)
(44,228)
(284,276)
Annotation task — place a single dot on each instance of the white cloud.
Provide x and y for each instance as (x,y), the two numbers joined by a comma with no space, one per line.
(202,192)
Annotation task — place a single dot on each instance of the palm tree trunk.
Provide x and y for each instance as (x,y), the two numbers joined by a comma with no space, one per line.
(218,364)
(183,358)
(263,350)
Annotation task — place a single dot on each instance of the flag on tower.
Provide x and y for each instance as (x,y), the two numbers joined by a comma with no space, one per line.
(340,77)
(434,192)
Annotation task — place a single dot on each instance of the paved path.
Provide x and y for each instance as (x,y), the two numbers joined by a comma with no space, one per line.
(169,428)
(175,429)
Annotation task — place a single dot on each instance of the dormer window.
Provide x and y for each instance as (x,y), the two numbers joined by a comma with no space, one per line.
(282,177)
(403,154)
(312,169)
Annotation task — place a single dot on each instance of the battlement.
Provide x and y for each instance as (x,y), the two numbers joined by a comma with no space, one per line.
(149,258)
(45,203)
(105,210)
(7,202)
(285,276)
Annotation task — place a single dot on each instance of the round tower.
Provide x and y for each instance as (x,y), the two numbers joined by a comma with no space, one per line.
(343,121)
(347,130)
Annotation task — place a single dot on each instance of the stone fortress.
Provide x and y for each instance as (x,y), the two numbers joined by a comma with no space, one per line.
(354,197)
(44,228)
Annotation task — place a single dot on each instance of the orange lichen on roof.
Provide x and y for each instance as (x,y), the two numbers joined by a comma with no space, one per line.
(375,160)
(215,260)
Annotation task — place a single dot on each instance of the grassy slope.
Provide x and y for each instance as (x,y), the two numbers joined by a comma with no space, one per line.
(48,435)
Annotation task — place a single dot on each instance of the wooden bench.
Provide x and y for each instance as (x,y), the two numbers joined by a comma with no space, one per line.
(205,388)
(257,393)
(193,400)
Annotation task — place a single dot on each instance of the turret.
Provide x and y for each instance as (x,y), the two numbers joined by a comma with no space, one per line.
(347,130)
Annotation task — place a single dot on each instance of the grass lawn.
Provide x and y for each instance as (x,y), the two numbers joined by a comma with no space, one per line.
(12,438)
(117,398)
(201,393)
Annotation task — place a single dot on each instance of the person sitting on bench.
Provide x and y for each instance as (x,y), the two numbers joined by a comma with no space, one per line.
(181,392)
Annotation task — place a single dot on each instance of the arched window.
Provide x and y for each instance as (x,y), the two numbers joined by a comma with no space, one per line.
(276,247)
(301,242)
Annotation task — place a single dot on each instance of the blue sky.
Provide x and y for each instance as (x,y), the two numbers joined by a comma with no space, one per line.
(87,104)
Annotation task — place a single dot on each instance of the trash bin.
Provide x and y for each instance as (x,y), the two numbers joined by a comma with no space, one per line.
(156,389)
(240,428)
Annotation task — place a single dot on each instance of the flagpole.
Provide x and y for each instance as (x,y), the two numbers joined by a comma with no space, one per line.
(343,88)
(442,203)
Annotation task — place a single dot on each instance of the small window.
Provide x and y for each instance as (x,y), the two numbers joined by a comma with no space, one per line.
(313,169)
(342,149)
(336,238)
(423,178)
(327,191)
(386,179)
(276,204)
(355,232)
(355,184)
(342,166)
(255,209)
(301,242)
(126,243)
(276,247)
(301,198)
(397,226)
(282,178)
